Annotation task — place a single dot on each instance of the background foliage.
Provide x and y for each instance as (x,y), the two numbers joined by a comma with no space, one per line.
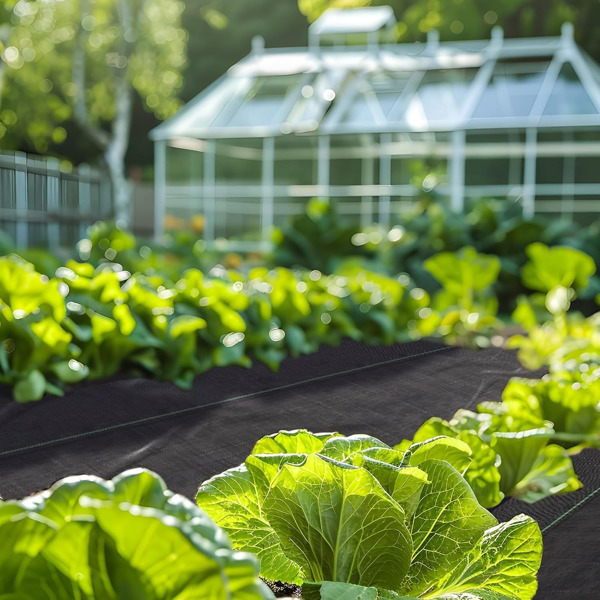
(219,33)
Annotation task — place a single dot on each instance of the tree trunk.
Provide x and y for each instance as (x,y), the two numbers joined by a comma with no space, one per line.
(121,189)
(114,154)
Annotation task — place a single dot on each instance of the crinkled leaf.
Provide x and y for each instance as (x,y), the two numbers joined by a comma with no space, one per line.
(447,523)
(233,501)
(342,448)
(298,441)
(338,524)
(453,451)
(551,473)
(502,564)
(83,539)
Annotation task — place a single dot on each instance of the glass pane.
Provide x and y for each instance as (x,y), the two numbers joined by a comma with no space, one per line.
(550,169)
(512,90)
(239,217)
(285,209)
(264,101)
(494,171)
(184,166)
(364,109)
(296,160)
(207,110)
(440,97)
(315,100)
(568,96)
(238,164)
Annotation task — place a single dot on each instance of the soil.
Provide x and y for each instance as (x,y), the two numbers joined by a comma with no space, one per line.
(284,590)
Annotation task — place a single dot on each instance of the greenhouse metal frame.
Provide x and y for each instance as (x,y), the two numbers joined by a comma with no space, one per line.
(357,124)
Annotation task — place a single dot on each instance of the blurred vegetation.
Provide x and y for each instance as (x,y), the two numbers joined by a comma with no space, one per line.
(473,19)
(317,240)
(123,306)
(36,109)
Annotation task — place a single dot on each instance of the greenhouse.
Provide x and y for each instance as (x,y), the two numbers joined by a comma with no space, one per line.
(371,125)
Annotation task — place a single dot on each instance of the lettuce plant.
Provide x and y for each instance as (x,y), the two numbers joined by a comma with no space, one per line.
(89,322)
(569,400)
(126,538)
(465,303)
(511,455)
(350,517)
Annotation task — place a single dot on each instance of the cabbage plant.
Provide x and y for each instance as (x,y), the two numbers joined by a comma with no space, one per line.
(352,518)
(124,539)
(511,453)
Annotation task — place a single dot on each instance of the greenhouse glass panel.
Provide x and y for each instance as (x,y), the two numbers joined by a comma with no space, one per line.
(376,98)
(550,169)
(296,161)
(285,209)
(184,166)
(568,96)
(512,90)
(440,97)
(238,162)
(495,171)
(238,217)
(587,169)
(263,102)
(315,99)
(210,106)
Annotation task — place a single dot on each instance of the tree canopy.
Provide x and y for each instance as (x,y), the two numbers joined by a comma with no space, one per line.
(43,107)
(473,19)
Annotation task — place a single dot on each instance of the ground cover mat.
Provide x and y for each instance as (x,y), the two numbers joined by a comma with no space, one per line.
(104,428)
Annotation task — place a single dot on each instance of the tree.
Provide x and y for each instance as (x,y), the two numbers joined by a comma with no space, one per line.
(90,57)
(473,19)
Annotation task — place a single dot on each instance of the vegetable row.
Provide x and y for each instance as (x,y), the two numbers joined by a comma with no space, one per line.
(345,517)
(93,322)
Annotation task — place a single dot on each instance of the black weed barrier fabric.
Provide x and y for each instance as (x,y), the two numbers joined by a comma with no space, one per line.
(103,428)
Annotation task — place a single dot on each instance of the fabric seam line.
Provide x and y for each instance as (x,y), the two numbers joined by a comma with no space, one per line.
(570,510)
(223,401)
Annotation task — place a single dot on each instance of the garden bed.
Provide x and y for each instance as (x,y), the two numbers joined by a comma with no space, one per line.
(105,427)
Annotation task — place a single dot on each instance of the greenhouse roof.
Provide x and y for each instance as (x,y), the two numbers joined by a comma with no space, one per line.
(433,86)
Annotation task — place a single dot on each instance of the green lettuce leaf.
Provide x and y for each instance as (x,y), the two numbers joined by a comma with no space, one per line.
(501,566)
(552,473)
(446,525)
(125,538)
(234,501)
(338,524)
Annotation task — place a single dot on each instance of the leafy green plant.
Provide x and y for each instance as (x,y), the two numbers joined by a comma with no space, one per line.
(568,400)
(128,537)
(511,454)
(315,240)
(341,514)
(560,274)
(92,322)
(466,304)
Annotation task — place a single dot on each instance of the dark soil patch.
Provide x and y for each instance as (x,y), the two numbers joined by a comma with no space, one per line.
(284,590)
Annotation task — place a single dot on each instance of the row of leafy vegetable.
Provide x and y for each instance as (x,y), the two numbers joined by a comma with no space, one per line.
(322,239)
(345,517)
(91,322)
(342,516)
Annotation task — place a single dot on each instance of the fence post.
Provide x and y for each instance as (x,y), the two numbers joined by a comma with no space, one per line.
(53,207)
(84,204)
(22,225)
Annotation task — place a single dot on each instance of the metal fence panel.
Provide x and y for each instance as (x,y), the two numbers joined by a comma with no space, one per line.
(42,205)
